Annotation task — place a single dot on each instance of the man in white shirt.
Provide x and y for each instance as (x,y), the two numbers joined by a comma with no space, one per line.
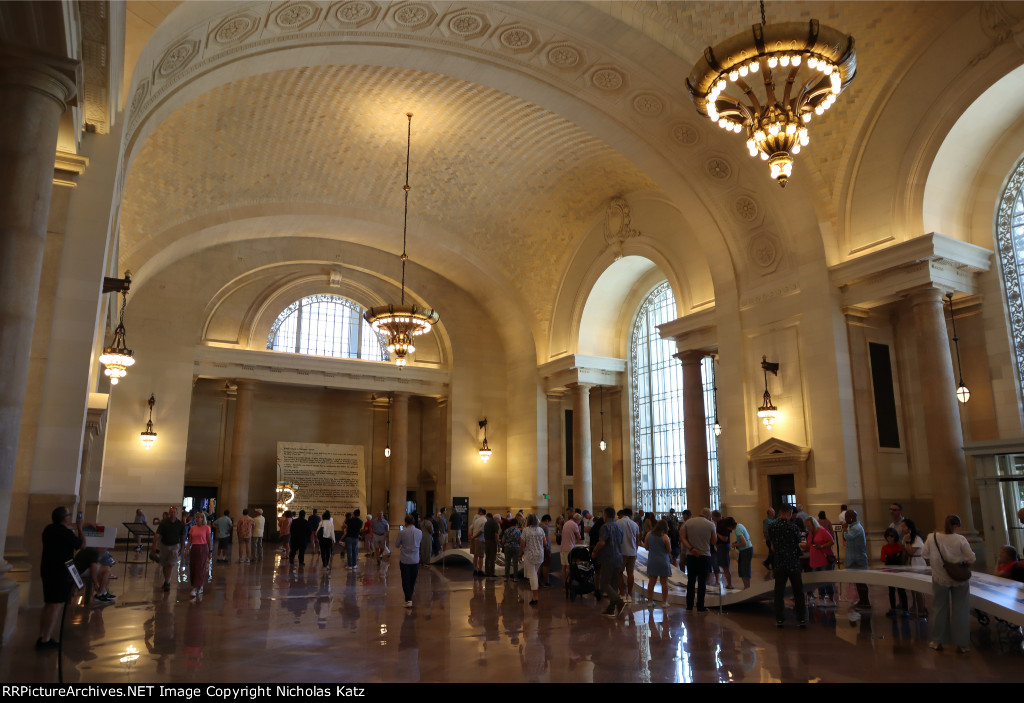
(259,525)
(408,541)
(630,532)
(476,541)
(570,537)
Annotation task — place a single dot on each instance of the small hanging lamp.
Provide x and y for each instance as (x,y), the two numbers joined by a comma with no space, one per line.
(148,436)
(768,412)
(962,393)
(485,451)
(602,444)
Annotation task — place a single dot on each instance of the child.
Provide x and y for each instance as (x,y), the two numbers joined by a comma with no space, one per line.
(892,555)
(1009,566)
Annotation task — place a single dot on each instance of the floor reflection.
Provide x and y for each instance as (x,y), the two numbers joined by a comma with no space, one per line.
(260,622)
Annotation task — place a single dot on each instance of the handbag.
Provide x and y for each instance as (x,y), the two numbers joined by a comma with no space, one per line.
(958,571)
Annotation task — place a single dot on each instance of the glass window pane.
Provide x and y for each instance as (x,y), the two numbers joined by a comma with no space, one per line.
(326,325)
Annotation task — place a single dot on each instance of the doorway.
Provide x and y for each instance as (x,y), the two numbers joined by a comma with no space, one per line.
(782,489)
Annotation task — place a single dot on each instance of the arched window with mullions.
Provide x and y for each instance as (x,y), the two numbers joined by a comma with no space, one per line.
(326,325)
(659,466)
(1010,243)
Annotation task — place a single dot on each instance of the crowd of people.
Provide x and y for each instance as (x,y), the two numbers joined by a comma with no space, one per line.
(705,546)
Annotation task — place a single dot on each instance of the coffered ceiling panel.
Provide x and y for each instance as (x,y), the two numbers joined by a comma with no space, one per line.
(510,184)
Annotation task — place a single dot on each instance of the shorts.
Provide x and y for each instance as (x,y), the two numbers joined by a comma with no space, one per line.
(380,541)
(56,585)
(565,557)
(169,554)
(224,543)
(628,563)
(476,548)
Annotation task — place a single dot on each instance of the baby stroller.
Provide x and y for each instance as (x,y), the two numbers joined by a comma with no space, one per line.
(581,573)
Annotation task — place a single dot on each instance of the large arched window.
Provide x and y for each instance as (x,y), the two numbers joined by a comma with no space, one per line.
(659,467)
(326,325)
(1010,243)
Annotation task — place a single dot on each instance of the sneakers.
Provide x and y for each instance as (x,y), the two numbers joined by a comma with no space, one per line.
(609,612)
(936,646)
(408,604)
(802,624)
(105,597)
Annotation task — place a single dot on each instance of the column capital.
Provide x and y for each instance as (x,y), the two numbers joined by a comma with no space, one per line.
(927,295)
(56,78)
(691,356)
(245,384)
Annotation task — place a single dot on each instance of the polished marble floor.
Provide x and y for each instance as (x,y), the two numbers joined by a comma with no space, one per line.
(265,623)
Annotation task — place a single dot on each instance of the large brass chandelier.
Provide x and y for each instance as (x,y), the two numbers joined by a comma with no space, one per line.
(401,323)
(780,76)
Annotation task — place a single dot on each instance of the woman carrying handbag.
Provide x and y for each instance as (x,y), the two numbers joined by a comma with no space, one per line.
(950,557)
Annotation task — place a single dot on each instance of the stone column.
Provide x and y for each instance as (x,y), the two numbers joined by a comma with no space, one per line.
(34,95)
(582,470)
(443,494)
(620,496)
(951,491)
(237,492)
(556,504)
(399,459)
(695,439)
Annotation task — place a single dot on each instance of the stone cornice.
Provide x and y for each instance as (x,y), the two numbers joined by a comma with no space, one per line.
(694,332)
(887,275)
(559,374)
(299,370)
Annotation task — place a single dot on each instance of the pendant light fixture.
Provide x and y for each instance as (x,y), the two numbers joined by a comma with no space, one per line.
(602,444)
(768,412)
(485,451)
(399,324)
(717,427)
(117,357)
(387,441)
(962,393)
(148,436)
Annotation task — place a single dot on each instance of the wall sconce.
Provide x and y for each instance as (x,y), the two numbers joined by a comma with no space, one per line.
(768,412)
(602,444)
(117,357)
(962,394)
(717,427)
(387,441)
(148,436)
(485,451)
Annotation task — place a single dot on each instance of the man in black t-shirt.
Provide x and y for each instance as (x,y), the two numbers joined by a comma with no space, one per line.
(299,539)
(60,540)
(314,525)
(785,536)
(353,528)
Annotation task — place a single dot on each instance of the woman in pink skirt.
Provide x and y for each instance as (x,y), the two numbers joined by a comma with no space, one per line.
(199,553)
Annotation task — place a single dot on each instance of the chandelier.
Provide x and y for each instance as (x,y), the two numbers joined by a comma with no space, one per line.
(118,357)
(781,76)
(399,324)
